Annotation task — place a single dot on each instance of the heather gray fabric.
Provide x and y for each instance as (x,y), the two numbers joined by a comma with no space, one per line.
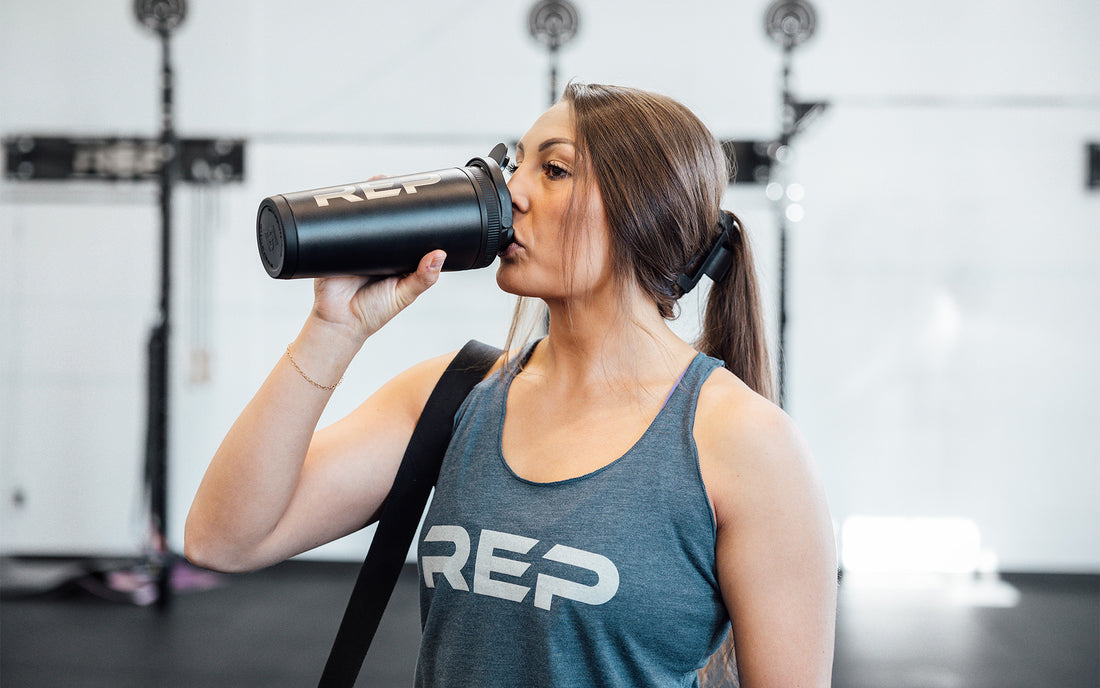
(607,579)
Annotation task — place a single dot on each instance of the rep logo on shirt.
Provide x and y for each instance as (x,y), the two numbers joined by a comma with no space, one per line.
(486,563)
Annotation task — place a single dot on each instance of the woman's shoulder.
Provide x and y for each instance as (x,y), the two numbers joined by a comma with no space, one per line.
(729,410)
(746,442)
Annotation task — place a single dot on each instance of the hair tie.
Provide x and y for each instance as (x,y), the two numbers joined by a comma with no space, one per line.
(719,258)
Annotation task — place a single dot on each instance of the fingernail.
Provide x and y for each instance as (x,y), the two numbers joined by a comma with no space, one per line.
(436,264)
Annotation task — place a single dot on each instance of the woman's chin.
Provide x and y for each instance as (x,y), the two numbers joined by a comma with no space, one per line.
(507,279)
(510,279)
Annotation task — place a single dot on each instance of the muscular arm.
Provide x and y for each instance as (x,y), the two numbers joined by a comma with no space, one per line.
(275,487)
(776,550)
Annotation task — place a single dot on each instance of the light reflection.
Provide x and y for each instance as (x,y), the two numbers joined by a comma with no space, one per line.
(897,544)
(943,328)
(942,556)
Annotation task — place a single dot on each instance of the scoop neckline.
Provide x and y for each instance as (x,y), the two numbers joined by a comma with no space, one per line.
(519,363)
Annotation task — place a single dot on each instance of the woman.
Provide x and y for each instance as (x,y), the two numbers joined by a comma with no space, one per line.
(612,498)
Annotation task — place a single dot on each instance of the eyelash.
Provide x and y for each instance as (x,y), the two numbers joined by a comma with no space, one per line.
(511,168)
(559,171)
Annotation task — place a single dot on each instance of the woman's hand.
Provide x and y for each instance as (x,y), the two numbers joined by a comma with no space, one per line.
(362,305)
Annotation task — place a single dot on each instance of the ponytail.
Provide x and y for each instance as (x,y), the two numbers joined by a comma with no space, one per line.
(733,324)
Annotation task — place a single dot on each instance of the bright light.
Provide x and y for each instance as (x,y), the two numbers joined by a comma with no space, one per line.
(795,212)
(910,545)
(921,561)
(943,329)
(796,192)
(774,191)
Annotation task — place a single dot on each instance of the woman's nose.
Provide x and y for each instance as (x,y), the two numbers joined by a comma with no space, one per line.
(517,190)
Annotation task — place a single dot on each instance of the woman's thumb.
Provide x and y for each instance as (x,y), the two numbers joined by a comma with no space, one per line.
(416,283)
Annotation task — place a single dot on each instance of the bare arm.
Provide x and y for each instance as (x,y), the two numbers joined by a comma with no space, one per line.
(776,550)
(276,488)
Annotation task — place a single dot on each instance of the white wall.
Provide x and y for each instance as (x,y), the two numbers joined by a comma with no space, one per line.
(944,281)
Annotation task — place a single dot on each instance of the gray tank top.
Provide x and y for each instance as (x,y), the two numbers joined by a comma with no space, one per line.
(608,579)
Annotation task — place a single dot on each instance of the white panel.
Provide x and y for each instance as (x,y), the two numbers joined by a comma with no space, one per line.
(80,299)
(946,296)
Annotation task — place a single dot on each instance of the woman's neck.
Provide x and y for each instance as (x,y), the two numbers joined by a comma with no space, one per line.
(610,342)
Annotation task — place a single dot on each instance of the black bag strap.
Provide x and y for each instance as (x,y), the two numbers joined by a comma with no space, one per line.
(401,513)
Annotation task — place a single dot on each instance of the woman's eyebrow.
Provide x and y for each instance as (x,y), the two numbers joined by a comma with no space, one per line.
(553,142)
(547,144)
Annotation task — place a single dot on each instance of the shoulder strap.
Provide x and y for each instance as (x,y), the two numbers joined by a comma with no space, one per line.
(401,514)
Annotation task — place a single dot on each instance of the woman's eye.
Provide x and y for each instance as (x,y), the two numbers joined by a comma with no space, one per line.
(555,171)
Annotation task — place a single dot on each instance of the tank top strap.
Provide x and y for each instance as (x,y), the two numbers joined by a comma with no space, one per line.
(679,408)
(517,362)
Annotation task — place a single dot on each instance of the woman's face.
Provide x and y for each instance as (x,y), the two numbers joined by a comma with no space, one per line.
(542,262)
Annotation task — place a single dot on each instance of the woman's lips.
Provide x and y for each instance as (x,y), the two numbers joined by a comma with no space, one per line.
(512,248)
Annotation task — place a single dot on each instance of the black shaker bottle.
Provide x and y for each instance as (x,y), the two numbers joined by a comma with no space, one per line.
(385,226)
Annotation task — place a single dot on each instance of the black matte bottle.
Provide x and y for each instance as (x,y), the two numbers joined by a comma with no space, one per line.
(385,226)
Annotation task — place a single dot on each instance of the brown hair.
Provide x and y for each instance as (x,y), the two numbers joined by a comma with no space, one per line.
(661,176)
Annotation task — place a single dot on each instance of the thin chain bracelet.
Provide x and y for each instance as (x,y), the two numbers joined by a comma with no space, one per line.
(307,378)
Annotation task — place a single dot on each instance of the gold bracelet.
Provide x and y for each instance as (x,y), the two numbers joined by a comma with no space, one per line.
(307,378)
